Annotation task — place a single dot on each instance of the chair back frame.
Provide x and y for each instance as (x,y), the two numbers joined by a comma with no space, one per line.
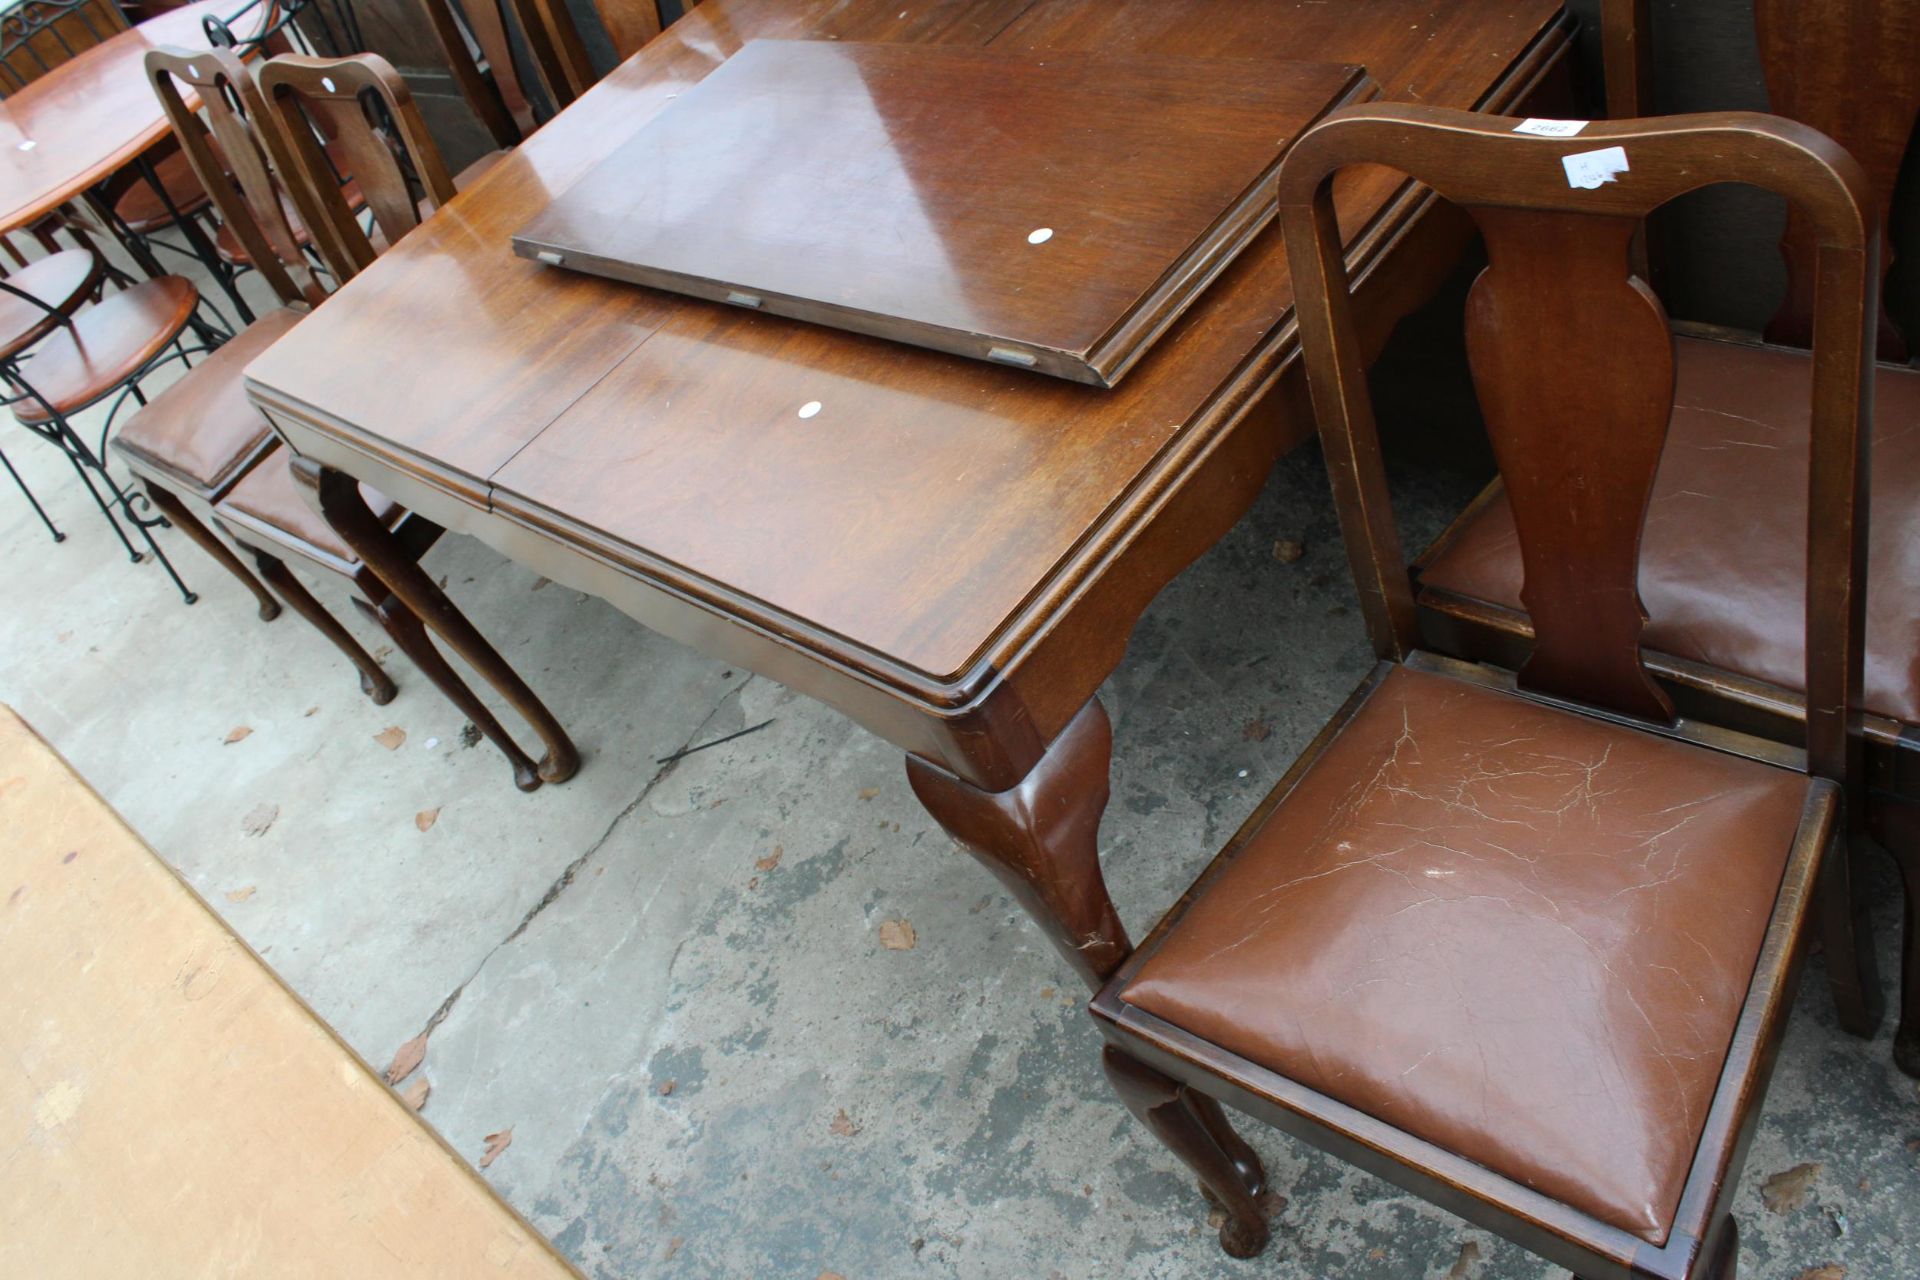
(1572,362)
(249,199)
(1849,68)
(395,166)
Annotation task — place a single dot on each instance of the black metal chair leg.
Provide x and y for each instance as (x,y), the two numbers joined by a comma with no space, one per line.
(32,501)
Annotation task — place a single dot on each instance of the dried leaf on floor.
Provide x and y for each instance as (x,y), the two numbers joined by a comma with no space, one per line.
(384,652)
(1463,1266)
(541,582)
(391,737)
(830,1275)
(496,1143)
(666,1088)
(843,1125)
(868,793)
(771,861)
(1259,729)
(259,818)
(240,895)
(238,733)
(1289,550)
(897,935)
(1832,1271)
(407,1057)
(673,1247)
(1788,1190)
(426,818)
(415,1094)
(310,711)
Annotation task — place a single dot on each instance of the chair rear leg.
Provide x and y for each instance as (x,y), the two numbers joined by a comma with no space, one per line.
(410,637)
(1846,932)
(186,522)
(1167,1108)
(1896,823)
(374,682)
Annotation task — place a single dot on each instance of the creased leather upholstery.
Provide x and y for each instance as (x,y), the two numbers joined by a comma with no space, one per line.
(1724,561)
(269,494)
(202,429)
(1517,933)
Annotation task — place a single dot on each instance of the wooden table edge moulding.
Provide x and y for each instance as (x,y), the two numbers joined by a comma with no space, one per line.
(1009,753)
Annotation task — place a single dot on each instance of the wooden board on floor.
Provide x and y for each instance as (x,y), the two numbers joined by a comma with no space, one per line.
(168,1108)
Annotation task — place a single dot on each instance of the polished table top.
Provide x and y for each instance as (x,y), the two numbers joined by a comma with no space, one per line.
(925,531)
(87,117)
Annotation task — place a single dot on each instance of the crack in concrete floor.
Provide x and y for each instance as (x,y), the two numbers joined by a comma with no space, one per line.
(573,869)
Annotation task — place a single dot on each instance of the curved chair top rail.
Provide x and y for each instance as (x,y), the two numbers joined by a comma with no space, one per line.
(1573,364)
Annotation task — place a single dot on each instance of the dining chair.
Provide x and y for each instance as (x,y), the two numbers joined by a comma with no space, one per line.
(479,38)
(202,438)
(1724,565)
(1525,943)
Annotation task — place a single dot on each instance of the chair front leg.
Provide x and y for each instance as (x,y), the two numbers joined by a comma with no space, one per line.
(374,682)
(336,496)
(186,522)
(411,638)
(1187,1123)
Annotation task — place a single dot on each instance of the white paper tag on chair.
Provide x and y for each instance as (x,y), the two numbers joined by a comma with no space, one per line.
(1550,128)
(1591,170)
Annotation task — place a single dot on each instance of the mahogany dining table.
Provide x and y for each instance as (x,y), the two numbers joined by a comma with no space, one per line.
(952,553)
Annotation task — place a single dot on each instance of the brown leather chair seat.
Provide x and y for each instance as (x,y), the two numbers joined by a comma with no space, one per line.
(268,499)
(108,343)
(202,431)
(1516,933)
(1723,567)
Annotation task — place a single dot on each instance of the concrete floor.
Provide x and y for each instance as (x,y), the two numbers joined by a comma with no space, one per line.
(668,980)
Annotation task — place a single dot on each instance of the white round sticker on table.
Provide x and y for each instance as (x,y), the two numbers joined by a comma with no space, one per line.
(810,408)
(1040,235)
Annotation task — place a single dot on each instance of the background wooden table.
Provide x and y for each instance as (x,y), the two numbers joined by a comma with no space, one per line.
(86,118)
(951,553)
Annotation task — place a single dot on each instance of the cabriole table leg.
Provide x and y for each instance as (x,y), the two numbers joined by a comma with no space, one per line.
(1041,838)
